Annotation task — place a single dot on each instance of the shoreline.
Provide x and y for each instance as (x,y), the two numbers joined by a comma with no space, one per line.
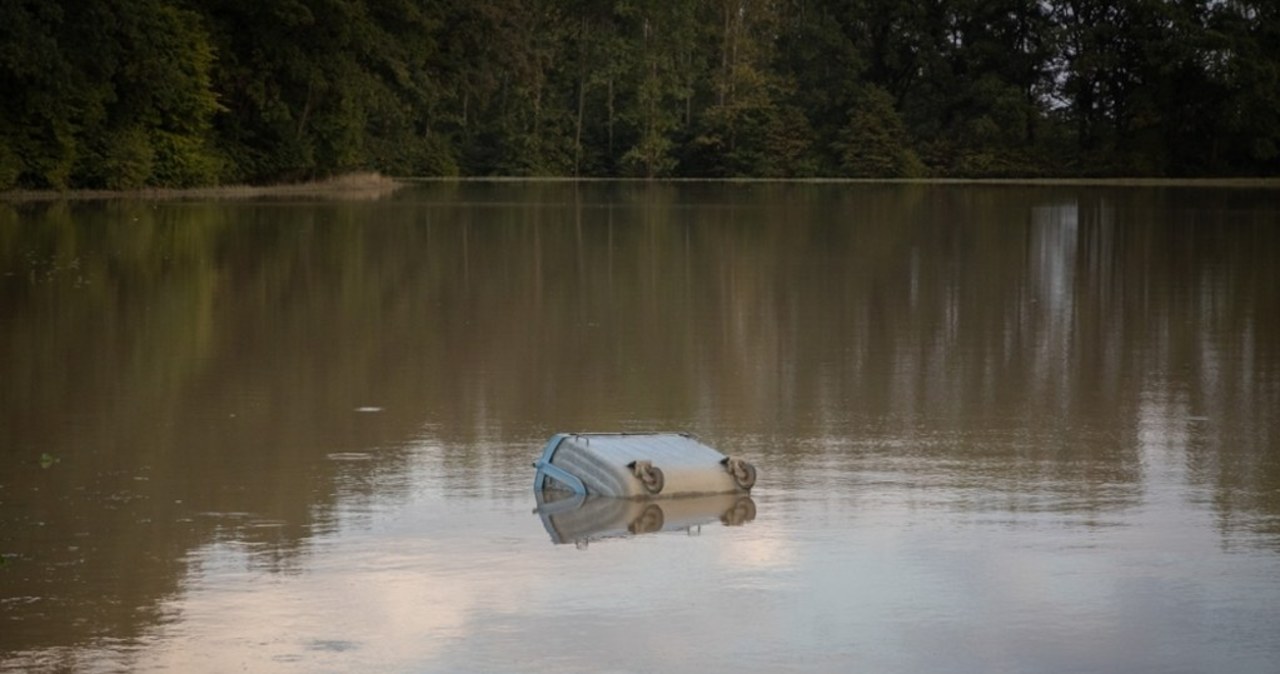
(358,185)
(1252,183)
(374,185)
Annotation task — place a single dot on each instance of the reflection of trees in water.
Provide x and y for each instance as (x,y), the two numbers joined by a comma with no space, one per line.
(142,348)
(1022,343)
(1184,306)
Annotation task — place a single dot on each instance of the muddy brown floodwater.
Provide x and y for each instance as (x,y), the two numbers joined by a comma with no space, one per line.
(998,429)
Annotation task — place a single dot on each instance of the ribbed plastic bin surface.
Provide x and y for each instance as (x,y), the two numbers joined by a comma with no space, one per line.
(638,465)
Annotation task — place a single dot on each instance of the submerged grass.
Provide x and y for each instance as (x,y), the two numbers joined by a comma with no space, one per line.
(1208,183)
(373,185)
(1253,183)
(368,185)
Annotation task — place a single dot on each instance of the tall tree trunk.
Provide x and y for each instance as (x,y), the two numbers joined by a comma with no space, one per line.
(582,97)
(724,53)
(306,110)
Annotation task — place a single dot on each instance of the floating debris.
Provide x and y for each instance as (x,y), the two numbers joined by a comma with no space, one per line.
(639,465)
(350,456)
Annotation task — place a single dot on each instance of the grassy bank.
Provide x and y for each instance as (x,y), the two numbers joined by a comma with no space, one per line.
(350,186)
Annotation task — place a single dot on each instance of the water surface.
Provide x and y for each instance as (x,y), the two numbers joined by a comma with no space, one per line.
(1022,429)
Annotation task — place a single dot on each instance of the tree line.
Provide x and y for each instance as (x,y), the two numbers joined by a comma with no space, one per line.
(130,93)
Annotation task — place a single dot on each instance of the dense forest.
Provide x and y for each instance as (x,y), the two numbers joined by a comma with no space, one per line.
(128,93)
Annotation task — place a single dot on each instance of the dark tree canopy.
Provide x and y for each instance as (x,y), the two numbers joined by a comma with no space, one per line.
(130,93)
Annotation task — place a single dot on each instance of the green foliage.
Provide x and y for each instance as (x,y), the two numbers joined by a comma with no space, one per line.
(127,159)
(434,158)
(183,161)
(875,143)
(95,81)
(10,166)
(787,145)
(54,156)
(130,93)
(650,157)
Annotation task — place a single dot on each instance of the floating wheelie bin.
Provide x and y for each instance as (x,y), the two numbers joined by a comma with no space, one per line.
(639,465)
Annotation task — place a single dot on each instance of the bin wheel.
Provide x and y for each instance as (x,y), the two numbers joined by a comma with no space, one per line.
(650,475)
(744,474)
(653,480)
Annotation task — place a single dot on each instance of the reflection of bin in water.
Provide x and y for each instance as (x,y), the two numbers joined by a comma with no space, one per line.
(639,465)
(575,518)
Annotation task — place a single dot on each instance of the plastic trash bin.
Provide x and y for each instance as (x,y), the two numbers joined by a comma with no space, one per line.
(639,465)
